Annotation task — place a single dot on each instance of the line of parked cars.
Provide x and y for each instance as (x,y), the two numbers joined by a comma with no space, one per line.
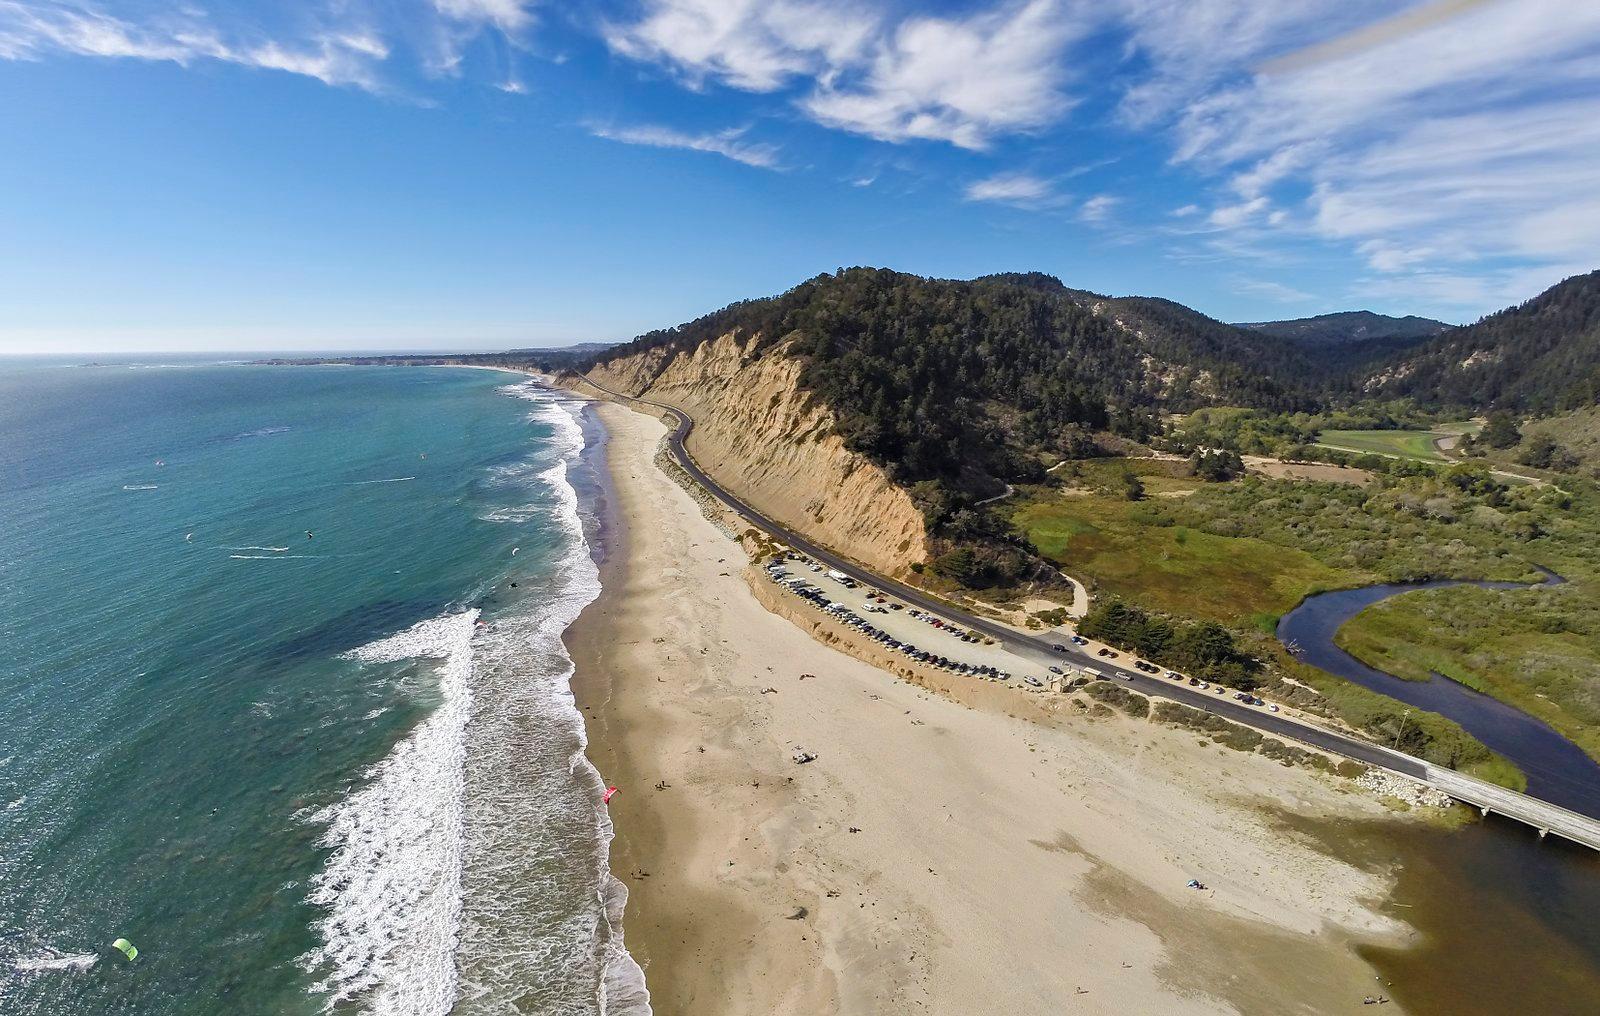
(800,587)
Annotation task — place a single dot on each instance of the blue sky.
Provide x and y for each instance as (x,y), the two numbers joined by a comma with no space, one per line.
(225,174)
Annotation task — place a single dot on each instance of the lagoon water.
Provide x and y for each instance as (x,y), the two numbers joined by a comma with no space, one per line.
(281,705)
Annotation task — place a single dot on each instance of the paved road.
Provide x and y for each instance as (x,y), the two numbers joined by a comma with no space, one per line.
(1535,812)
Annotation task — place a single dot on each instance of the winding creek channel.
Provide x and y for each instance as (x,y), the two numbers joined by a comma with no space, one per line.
(1506,921)
(1558,771)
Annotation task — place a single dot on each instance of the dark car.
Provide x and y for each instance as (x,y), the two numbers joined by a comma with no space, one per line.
(1059,648)
(1108,654)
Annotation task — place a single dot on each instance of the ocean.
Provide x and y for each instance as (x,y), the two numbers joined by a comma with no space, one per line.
(283,698)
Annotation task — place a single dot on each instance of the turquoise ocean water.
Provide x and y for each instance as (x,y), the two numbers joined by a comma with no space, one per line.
(301,773)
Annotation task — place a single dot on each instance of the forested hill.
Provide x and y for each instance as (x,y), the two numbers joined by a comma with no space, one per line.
(1540,356)
(1349,326)
(943,380)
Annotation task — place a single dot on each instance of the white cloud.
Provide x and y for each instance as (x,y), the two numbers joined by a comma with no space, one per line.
(1441,143)
(341,44)
(1021,189)
(31,31)
(724,143)
(1098,209)
(963,80)
(1468,294)
(510,16)
(749,44)
(1277,292)
(1184,211)
(1230,216)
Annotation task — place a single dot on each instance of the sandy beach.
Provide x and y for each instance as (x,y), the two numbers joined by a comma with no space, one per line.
(993,854)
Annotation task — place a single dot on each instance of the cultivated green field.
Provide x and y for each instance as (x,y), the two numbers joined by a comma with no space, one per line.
(1400,444)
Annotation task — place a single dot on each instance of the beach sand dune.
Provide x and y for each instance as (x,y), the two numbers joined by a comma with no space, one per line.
(937,856)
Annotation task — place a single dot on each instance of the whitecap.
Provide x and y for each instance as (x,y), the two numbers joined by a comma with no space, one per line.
(139,486)
(54,960)
(518,806)
(397,479)
(391,889)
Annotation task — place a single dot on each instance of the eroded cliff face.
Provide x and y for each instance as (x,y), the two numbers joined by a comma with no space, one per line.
(761,436)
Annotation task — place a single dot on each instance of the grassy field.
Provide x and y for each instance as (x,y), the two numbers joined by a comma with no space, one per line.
(1124,551)
(1400,444)
(1104,476)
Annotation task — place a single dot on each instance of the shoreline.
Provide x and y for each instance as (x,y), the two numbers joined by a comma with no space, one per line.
(987,845)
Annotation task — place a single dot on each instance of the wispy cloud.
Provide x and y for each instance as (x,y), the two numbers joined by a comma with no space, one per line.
(1277,292)
(1097,210)
(341,44)
(727,143)
(1021,189)
(754,45)
(348,55)
(510,16)
(1434,142)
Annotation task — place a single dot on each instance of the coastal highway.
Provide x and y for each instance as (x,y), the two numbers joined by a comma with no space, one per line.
(1541,815)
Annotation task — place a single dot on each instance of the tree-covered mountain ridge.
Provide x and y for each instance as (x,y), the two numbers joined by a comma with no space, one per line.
(1539,357)
(1349,326)
(968,384)
(937,379)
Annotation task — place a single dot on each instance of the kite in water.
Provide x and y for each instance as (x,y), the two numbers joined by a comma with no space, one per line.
(127,949)
(610,793)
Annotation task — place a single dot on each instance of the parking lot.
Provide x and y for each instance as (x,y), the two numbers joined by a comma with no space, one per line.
(928,639)
(918,635)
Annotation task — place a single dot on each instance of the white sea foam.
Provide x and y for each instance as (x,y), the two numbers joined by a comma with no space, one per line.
(275,550)
(470,872)
(396,479)
(140,486)
(391,889)
(541,926)
(56,961)
(276,557)
(19,802)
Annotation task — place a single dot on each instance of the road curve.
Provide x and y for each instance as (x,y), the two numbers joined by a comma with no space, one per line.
(1030,647)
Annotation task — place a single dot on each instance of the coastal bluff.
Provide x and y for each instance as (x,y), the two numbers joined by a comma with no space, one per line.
(761,435)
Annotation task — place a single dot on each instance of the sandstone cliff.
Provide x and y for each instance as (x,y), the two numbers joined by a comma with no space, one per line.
(764,438)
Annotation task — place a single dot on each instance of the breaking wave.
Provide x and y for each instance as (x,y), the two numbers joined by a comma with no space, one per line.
(469,871)
(391,889)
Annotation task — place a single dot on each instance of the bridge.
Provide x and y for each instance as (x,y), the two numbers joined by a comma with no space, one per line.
(1488,798)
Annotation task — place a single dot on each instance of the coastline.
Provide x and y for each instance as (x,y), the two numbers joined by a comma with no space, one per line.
(937,856)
